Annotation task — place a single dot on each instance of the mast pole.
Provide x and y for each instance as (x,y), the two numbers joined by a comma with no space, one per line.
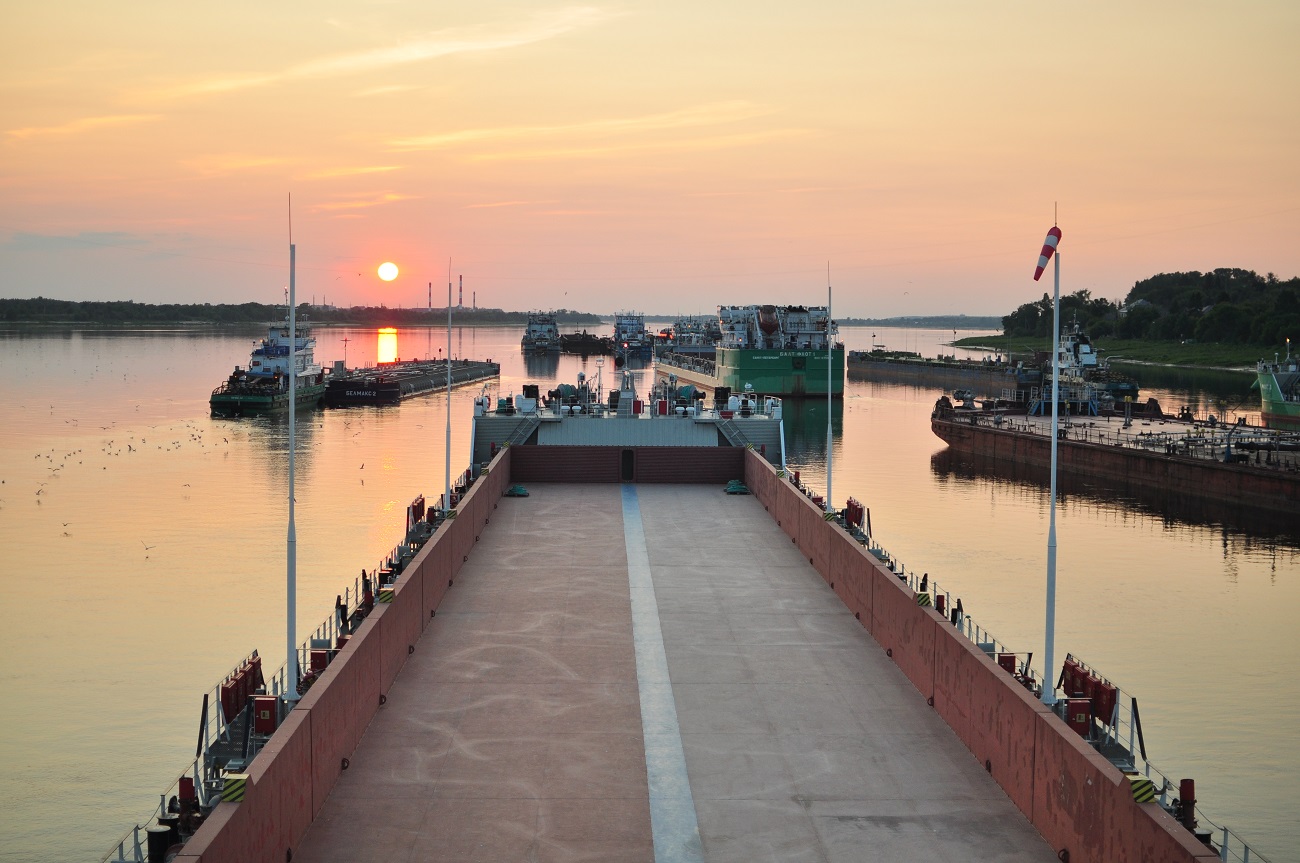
(291,577)
(1049,688)
(446,500)
(830,402)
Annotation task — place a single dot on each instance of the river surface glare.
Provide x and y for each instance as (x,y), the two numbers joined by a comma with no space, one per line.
(144,555)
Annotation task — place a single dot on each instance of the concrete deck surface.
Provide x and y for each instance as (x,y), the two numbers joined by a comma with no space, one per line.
(515,730)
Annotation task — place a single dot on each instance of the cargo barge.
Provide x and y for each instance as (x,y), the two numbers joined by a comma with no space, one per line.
(391,383)
(783,351)
(1248,468)
(586,344)
(540,720)
(986,377)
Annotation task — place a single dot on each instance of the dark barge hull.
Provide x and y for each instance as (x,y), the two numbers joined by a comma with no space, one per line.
(391,385)
(985,380)
(1235,484)
(248,400)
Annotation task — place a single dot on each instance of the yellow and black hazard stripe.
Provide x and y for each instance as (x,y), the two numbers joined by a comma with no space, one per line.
(233,789)
(781,473)
(1144,790)
(451,513)
(923,599)
(385,594)
(829,515)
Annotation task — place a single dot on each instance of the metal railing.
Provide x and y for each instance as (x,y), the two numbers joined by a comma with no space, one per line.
(1272,450)
(1119,736)
(215,729)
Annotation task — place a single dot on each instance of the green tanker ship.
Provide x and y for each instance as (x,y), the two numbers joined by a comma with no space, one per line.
(773,350)
(1279,391)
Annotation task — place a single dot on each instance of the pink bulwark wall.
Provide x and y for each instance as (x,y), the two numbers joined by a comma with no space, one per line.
(1076,799)
(294,773)
(1073,797)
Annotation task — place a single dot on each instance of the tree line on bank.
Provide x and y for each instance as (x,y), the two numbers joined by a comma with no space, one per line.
(1228,305)
(41,310)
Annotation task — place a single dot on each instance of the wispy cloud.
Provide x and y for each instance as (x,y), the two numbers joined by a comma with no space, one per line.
(714,113)
(81,126)
(387,90)
(442,43)
(330,173)
(504,204)
(715,142)
(364,203)
(22,241)
(220,164)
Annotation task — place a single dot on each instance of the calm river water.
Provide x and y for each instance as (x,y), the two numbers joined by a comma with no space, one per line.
(144,555)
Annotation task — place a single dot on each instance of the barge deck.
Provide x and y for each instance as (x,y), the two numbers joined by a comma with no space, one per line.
(692,691)
(392,383)
(1246,467)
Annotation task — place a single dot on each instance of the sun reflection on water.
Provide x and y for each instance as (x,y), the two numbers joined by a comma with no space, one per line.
(386,344)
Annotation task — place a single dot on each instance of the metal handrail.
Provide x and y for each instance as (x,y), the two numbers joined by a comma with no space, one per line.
(1125,724)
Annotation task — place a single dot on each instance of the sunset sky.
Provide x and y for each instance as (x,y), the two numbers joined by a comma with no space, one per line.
(664,156)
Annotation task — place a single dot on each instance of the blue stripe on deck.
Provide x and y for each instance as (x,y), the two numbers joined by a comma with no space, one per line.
(672,809)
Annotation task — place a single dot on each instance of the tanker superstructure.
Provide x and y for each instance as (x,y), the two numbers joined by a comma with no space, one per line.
(1279,391)
(775,350)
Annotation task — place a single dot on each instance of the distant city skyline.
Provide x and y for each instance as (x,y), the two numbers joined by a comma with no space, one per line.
(664,156)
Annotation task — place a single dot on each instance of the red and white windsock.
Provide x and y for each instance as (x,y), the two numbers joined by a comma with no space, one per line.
(1049,246)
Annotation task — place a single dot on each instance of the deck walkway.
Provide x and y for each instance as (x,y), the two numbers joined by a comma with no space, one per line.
(603,641)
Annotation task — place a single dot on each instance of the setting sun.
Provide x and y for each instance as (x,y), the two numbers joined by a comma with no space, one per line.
(388,271)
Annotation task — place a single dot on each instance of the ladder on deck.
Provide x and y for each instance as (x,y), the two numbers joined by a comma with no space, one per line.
(731,432)
(523,431)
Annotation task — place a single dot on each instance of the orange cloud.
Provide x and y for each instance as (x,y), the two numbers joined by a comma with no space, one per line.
(329,173)
(715,113)
(503,204)
(442,43)
(78,127)
(218,165)
(361,204)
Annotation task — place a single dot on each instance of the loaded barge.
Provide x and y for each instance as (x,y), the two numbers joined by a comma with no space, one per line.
(986,377)
(391,383)
(1246,467)
(725,674)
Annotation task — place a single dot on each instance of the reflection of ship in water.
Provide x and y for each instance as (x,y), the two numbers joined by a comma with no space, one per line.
(805,429)
(542,366)
(964,466)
